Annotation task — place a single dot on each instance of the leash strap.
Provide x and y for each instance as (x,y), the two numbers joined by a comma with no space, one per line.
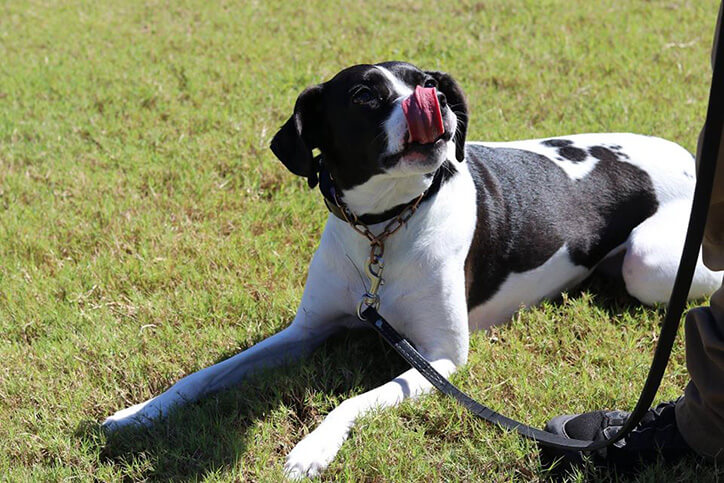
(415,359)
(710,149)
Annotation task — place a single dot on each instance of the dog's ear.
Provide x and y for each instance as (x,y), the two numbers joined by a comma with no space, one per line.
(294,141)
(456,101)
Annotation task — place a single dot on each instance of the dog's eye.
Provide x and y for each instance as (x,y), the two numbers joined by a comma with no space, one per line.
(430,83)
(363,95)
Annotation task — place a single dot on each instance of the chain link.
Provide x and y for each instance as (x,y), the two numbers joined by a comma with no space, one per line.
(375,262)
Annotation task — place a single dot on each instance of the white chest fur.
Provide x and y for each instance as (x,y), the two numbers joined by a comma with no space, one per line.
(423,294)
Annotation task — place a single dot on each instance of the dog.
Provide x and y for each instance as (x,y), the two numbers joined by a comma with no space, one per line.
(496,227)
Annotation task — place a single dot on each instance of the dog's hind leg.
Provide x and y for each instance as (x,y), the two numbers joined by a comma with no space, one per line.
(653,254)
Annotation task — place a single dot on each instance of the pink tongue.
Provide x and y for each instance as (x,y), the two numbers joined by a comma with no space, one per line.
(422,112)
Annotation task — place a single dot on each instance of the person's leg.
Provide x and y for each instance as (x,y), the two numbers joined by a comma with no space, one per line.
(695,421)
(700,414)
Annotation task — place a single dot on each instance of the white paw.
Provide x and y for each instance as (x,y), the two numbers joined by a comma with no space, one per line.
(313,454)
(139,415)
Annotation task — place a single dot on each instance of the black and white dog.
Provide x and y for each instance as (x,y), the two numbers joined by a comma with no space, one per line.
(500,226)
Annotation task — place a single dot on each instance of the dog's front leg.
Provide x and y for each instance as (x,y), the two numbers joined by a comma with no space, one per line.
(438,308)
(286,346)
(317,318)
(314,453)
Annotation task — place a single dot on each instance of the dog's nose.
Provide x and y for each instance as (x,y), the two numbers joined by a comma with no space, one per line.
(441,99)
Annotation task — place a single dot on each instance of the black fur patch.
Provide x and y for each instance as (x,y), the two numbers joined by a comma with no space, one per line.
(528,207)
(603,153)
(618,150)
(573,154)
(556,143)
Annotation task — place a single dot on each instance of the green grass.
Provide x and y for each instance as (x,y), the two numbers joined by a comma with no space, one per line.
(146,231)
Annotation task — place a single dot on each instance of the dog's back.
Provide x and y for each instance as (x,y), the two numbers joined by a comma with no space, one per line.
(550,210)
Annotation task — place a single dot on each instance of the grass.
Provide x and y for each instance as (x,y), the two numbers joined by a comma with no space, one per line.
(146,231)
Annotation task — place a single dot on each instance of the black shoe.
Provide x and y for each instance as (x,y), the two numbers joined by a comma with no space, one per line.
(656,435)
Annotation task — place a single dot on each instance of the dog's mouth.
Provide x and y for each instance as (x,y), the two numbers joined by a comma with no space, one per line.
(423,116)
(411,147)
(426,134)
(413,150)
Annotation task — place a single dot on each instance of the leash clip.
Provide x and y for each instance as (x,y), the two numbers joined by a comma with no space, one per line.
(371,298)
(374,264)
(367,300)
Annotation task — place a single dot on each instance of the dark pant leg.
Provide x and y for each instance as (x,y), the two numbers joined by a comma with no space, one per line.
(700,414)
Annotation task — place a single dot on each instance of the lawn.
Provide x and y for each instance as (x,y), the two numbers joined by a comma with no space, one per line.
(146,230)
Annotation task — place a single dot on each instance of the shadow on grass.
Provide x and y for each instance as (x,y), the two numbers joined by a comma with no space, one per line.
(688,468)
(611,296)
(212,434)
(610,292)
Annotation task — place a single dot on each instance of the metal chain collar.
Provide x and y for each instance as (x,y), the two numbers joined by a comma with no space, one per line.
(375,263)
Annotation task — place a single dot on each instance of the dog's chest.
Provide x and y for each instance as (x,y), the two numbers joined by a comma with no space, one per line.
(423,261)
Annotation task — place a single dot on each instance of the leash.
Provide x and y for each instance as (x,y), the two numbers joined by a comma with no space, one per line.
(710,148)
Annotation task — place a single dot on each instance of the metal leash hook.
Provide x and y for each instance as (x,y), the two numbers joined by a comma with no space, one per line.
(370,298)
(374,264)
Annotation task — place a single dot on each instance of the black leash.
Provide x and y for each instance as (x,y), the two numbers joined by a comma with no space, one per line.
(705,177)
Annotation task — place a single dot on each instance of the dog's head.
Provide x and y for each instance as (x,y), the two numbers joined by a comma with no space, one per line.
(375,120)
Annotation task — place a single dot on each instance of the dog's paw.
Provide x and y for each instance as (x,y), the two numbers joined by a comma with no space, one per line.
(138,415)
(312,455)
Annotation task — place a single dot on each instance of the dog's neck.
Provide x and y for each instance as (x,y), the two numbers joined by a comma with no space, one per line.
(382,197)
(382,193)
